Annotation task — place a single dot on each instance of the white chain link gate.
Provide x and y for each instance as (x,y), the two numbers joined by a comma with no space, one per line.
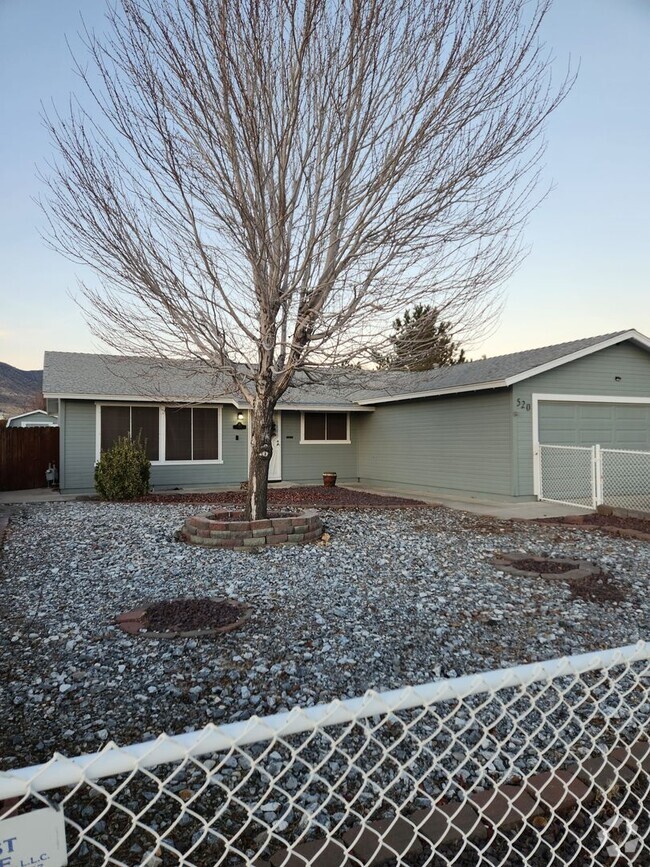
(591,476)
(541,764)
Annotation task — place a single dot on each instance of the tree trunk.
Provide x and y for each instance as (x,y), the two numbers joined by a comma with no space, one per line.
(261,422)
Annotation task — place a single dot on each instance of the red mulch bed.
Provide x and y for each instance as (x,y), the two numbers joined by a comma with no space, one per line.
(320,497)
(547,567)
(180,614)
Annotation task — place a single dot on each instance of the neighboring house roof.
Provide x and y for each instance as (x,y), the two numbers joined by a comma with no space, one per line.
(16,420)
(81,375)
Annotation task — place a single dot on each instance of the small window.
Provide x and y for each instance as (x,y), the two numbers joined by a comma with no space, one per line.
(326,427)
(130,421)
(192,434)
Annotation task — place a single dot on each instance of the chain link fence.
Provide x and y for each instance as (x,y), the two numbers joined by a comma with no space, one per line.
(567,475)
(626,479)
(543,764)
(591,476)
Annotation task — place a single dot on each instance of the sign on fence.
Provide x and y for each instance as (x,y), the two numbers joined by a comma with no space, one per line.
(35,839)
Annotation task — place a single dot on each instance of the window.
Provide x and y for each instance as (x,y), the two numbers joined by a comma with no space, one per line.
(325,427)
(130,421)
(192,434)
(169,435)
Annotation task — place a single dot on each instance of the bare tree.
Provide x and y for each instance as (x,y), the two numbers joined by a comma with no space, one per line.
(261,185)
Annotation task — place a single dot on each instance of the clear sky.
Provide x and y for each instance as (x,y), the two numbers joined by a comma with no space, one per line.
(588,270)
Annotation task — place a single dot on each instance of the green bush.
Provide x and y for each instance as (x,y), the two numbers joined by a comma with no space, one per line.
(122,472)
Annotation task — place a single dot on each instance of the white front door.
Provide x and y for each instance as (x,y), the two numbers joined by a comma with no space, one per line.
(275,466)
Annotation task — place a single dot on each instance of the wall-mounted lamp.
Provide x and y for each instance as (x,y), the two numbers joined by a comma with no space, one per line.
(240,422)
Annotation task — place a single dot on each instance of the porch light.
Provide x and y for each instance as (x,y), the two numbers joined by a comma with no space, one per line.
(240,422)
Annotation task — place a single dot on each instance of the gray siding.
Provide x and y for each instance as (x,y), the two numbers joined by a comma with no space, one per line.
(457,444)
(593,374)
(78,447)
(307,463)
(78,455)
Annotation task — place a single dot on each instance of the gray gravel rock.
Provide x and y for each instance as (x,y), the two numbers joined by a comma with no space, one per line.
(396,597)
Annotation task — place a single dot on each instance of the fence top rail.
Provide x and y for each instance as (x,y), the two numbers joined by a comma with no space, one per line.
(573,448)
(113,760)
(626,451)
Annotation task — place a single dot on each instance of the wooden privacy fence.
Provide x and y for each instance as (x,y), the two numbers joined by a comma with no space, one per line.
(25,454)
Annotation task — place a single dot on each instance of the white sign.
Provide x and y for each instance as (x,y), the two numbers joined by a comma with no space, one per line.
(35,839)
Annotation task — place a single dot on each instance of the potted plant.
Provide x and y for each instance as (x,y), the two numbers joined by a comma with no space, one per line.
(329,479)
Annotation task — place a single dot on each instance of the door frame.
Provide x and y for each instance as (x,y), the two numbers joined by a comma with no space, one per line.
(537,398)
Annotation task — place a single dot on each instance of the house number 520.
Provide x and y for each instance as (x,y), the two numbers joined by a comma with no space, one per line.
(523,404)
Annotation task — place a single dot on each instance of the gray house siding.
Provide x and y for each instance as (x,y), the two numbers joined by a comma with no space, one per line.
(300,463)
(78,420)
(458,444)
(592,375)
(78,446)
(307,463)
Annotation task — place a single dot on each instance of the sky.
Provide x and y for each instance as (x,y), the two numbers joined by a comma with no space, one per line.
(587,271)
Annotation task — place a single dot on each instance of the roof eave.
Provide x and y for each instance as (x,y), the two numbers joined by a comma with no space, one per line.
(635,336)
(138,398)
(438,392)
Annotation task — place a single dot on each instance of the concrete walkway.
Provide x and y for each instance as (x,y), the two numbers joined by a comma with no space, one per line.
(493,508)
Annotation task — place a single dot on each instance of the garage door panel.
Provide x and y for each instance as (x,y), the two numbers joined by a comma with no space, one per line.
(585,424)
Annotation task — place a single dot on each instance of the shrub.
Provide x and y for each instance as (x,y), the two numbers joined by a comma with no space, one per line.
(122,472)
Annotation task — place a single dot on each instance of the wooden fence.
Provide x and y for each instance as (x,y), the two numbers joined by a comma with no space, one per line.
(25,454)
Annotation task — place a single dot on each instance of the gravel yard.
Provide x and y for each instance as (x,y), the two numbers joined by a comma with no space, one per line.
(396,597)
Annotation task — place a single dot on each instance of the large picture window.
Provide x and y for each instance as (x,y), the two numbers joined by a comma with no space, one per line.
(131,421)
(192,434)
(173,435)
(325,427)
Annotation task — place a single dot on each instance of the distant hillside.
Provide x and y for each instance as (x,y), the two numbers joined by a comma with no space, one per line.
(20,390)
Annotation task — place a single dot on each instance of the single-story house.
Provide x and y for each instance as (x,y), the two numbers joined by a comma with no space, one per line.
(35,418)
(470,430)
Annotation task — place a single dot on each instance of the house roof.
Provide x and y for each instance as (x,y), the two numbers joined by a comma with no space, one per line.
(498,372)
(113,377)
(82,375)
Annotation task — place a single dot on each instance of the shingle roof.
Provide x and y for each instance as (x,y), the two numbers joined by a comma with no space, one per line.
(110,376)
(497,369)
(113,376)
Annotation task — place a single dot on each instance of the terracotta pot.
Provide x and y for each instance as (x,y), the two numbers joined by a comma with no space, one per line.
(329,479)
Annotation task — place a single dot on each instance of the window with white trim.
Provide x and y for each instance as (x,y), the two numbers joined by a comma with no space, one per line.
(134,422)
(192,434)
(170,435)
(325,427)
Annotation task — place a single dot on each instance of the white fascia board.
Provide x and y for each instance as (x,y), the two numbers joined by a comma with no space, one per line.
(635,336)
(25,414)
(135,398)
(322,407)
(438,392)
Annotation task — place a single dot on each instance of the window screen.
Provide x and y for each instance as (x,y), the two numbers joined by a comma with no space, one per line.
(116,423)
(192,434)
(144,424)
(314,425)
(178,435)
(206,434)
(326,426)
(337,425)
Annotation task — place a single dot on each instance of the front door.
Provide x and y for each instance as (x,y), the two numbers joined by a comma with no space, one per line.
(275,466)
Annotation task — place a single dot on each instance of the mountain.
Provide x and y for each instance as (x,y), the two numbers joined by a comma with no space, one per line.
(20,390)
